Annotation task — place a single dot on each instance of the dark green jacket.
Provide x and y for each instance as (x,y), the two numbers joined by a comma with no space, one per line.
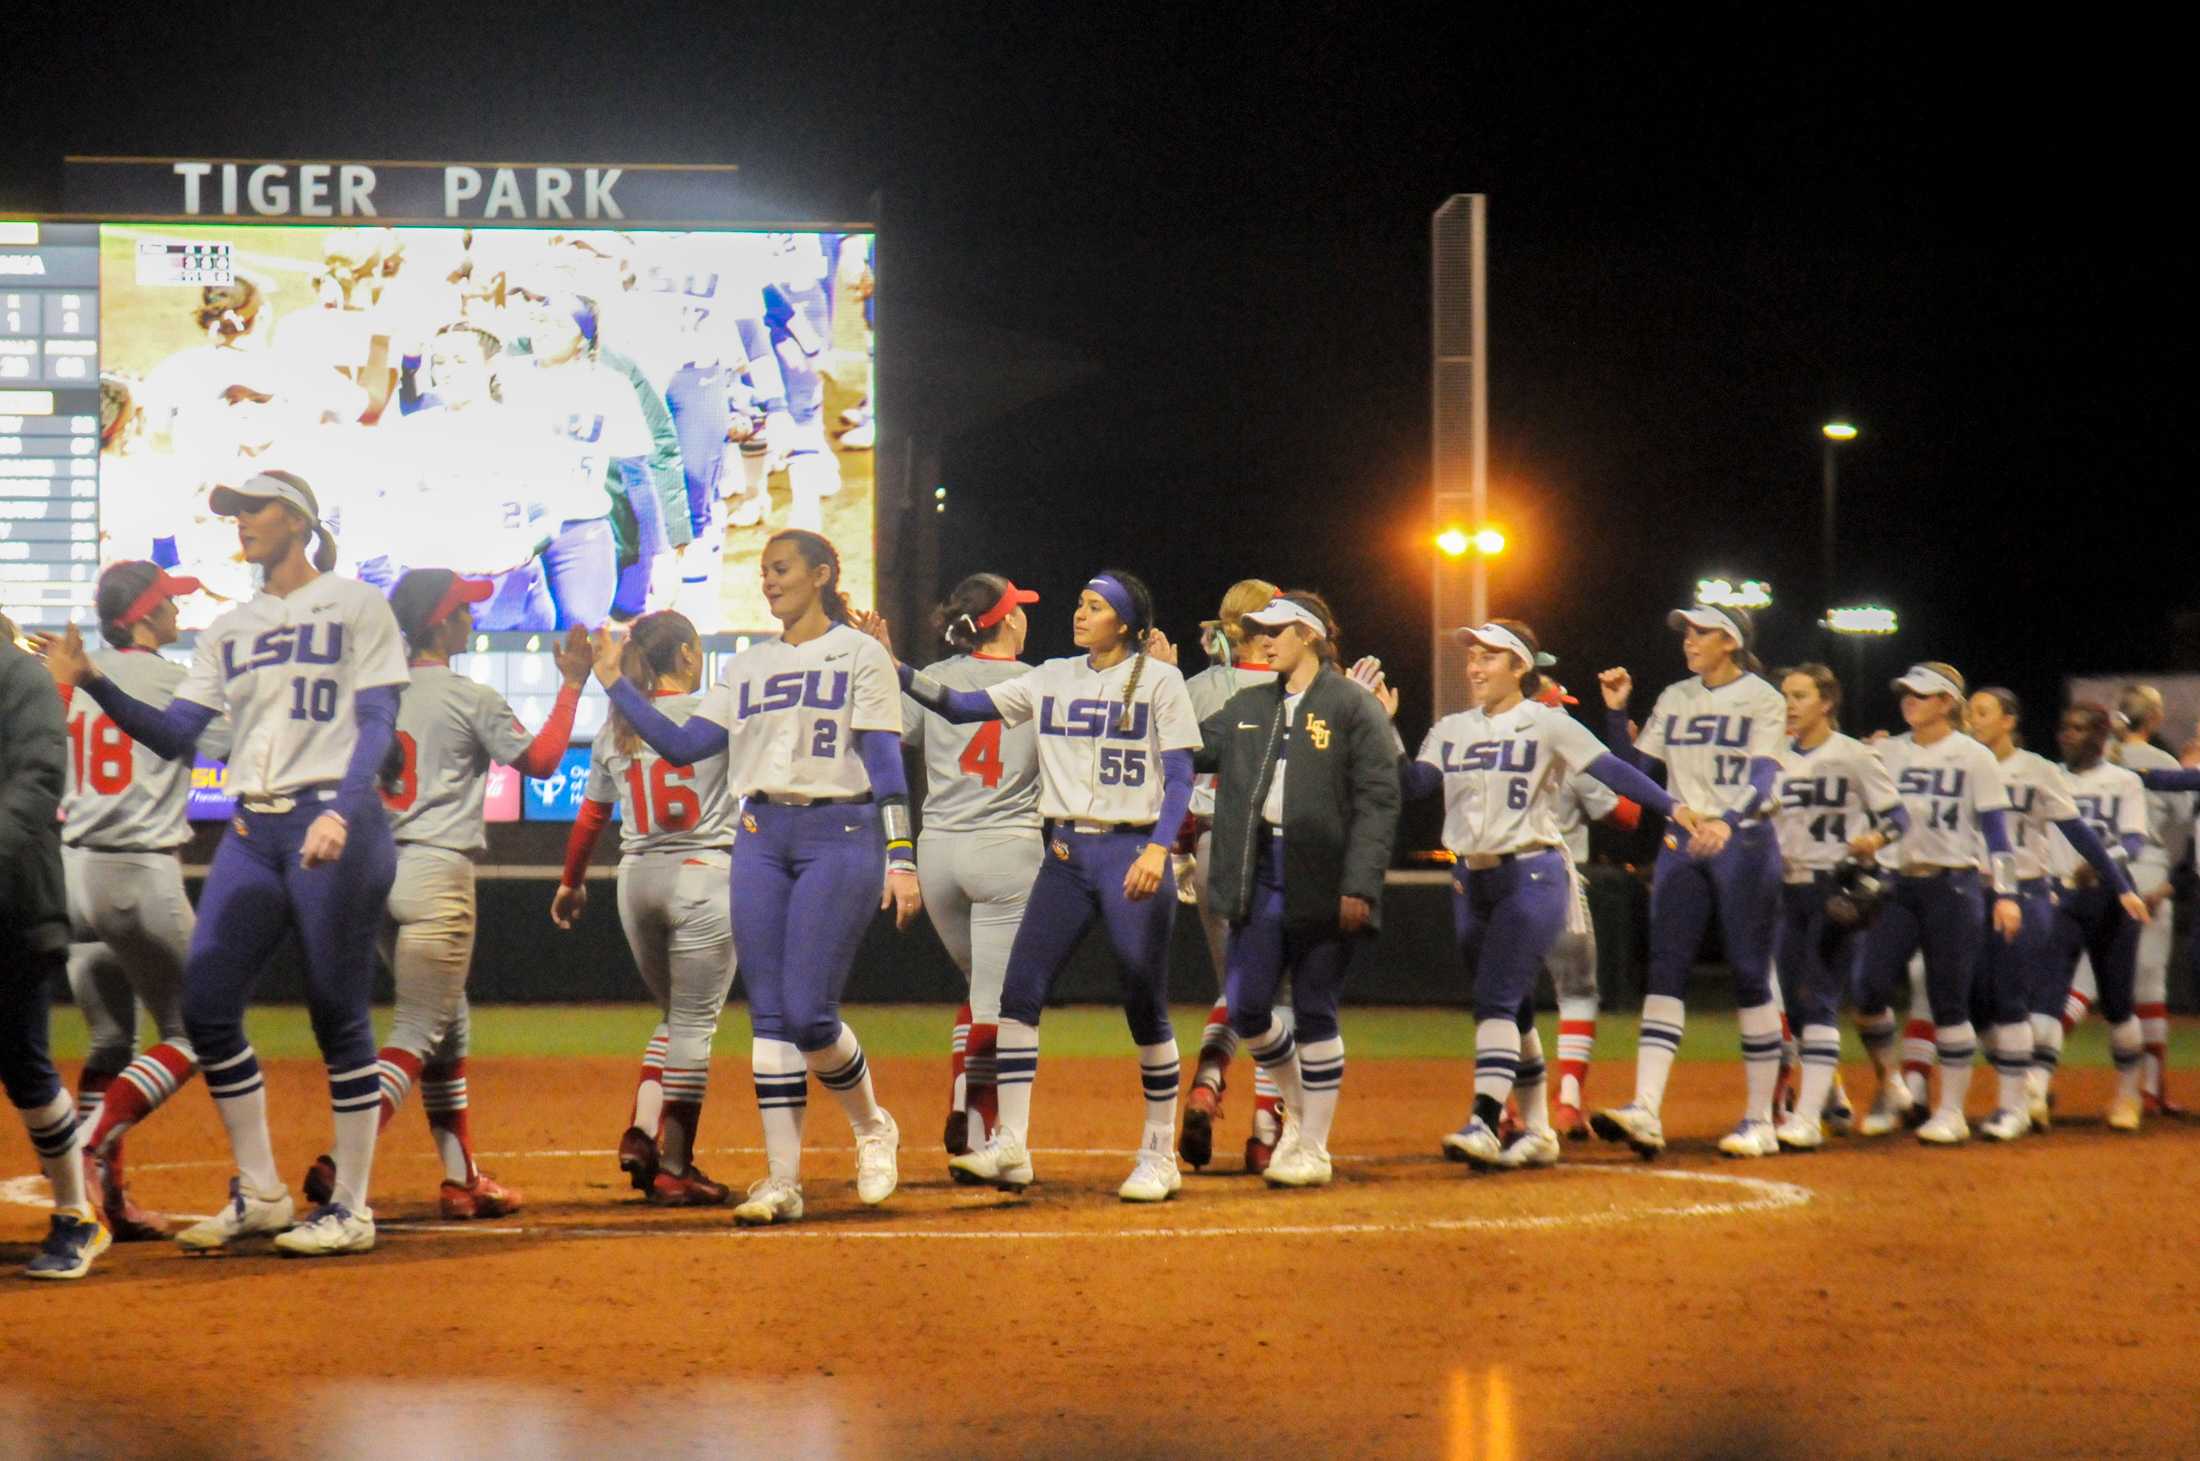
(1340,800)
(33,759)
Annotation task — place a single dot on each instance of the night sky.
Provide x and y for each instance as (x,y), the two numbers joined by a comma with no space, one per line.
(1709,233)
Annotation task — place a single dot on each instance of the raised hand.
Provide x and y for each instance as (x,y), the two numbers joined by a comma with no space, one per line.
(607,647)
(873,623)
(574,657)
(1618,687)
(65,658)
(1158,647)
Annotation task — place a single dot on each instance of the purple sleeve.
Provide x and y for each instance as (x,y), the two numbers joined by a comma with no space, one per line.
(1994,826)
(1898,817)
(1630,783)
(169,734)
(1619,738)
(681,743)
(2081,836)
(2133,845)
(1764,781)
(1176,796)
(1417,779)
(962,707)
(375,708)
(2184,778)
(881,753)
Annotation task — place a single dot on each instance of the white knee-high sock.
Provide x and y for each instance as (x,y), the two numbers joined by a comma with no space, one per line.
(1496,1066)
(1159,1071)
(1016,1053)
(649,1090)
(1276,1052)
(59,1140)
(782,1097)
(240,1098)
(841,1069)
(2047,1045)
(2012,1064)
(1531,1086)
(1760,1027)
(1821,1054)
(1321,1080)
(355,1100)
(1663,1019)
(2127,1047)
(1957,1047)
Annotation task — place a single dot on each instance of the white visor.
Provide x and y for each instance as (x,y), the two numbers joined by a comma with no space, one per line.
(1708,619)
(1925,680)
(1278,612)
(1498,637)
(279,486)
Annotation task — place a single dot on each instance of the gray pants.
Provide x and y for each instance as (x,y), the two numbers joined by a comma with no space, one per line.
(975,885)
(678,922)
(429,941)
(130,930)
(1572,961)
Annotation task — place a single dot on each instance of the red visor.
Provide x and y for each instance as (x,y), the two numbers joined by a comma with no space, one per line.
(1554,695)
(461,591)
(1010,598)
(163,587)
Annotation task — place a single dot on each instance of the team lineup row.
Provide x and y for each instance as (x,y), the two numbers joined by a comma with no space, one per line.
(1056,796)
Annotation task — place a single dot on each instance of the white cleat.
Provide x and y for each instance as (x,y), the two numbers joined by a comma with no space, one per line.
(860,438)
(1476,1145)
(1001,1162)
(248,1213)
(2005,1125)
(1287,1143)
(1304,1165)
(2123,1114)
(1154,1179)
(1800,1134)
(329,1231)
(1633,1123)
(1889,1107)
(1945,1128)
(1840,1113)
(770,1200)
(1530,1149)
(1753,1138)
(749,511)
(877,1172)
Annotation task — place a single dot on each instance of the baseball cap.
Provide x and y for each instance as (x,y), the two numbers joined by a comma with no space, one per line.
(1708,619)
(1501,639)
(263,487)
(1010,598)
(1925,680)
(130,590)
(1280,611)
(425,597)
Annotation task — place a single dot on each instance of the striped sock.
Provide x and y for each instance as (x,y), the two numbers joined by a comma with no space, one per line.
(355,1100)
(1821,1061)
(841,1069)
(2127,1047)
(1791,1049)
(54,1131)
(1160,1072)
(2076,1005)
(1275,1052)
(396,1071)
(1496,1066)
(979,1082)
(1218,1046)
(1917,1056)
(782,1098)
(2012,1059)
(145,1083)
(1531,1084)
(2047,1044)
(1016,1066)
(1876,1029)
(1577,1039)
(240,1098)
(91,1094)
(1321,1078)
(685,1088)
(2154,1044)
(1267,1107)
(649,1087)
(443,1100)
(1663,1020)
(958,1049)
(1760,1029)
(1957,1047)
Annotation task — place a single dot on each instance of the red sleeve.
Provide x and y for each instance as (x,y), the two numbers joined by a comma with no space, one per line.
(66,692)
(1627,816)
(594,817)
(543,753)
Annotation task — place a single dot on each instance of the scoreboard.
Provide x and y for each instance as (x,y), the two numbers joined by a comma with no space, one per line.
(49,419)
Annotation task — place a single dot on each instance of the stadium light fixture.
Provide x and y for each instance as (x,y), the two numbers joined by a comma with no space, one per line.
(1722,593)
(1839,431)
(1862,619)
(1489,542)
(1452,543)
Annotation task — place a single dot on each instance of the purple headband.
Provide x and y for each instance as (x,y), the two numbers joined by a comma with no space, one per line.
(1109,587)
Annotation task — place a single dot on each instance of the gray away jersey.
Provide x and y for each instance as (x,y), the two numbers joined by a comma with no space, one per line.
(977,778)
(662,807)
(120,795)
(450,729)
(1211,689)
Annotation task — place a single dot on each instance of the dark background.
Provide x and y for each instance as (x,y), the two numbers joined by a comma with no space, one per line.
(1711,230)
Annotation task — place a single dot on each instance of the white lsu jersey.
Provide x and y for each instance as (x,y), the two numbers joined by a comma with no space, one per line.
(977,778)
(2113,802)
(1098,761)
(1210,690)
(286,668)
(792,712)
(1707,737)
(1828,794)
(1947,787)
(1503,775)
(662,807)
(121,797)
(449,730)
(2039,797)
(590,410)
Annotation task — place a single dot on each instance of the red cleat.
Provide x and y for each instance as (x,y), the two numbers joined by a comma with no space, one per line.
(1509,1128)
(320,1183)
(484,1197)
(638,1158)
(1257,1153)
(957,1136)
(690,1189)
(2158,1103)
(1784,1091)
(1568,1122)
(1196,1143)
(125,1219)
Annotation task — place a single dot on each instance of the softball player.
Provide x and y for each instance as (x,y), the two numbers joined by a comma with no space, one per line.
(2138,715)
(2112,803)
(309,672)
(1500,767)
(1719,735)
(124,818)
(811,729)
(1116,735)
(981,846)
(449,730)
(1832,790)
(2022,974)
(676,841)
(1236,667)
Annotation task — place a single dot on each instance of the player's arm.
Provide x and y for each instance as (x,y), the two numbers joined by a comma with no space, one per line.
(683,743)
(374,709)
(1423,775)
(875,715)
(961,707)
(1618,686)
(2184,778)
(1764,765)
(2087,844)
(34,752)
(571,898)
(499,731)
(1580,750)
(171,733)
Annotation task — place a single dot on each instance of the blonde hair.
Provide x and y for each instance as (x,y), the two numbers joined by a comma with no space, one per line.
(1960,716)
(1246,596)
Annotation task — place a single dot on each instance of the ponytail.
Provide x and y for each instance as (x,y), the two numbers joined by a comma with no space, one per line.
(324,556)
(652,650)
(956,618)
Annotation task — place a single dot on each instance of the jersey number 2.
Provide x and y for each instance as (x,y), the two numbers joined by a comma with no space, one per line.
(982,757)
(662,796)
(100,754)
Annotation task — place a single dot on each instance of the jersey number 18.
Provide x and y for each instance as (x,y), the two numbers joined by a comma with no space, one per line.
(99,754)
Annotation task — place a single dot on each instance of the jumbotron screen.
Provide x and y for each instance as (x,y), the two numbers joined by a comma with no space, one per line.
(603,422)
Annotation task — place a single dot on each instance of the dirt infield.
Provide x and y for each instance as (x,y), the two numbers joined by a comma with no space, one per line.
(1874,1299)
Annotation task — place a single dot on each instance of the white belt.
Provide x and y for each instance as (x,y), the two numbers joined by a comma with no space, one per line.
(275,806)
(1482,862)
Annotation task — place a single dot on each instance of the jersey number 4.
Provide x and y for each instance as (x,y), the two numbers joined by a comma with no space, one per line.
(662,797)
(99,753)
(982,757)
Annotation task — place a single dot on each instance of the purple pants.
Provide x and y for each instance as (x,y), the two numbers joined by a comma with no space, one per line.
(1506,919)
(1817,957)
(1742,885)
(696,396)
(806,885)
(1081,879)
(255,894)
(580,568)
(2012,973)
(1263,949)
(1944,915)
(2092,922)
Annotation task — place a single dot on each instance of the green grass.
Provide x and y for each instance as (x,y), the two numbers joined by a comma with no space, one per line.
(280,1032)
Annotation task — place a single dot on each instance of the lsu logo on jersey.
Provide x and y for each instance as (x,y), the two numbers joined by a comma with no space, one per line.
(1801,792)
(305,644)
(1947,781)
(1089,719)
(1317,731)
(2021,799)
(1513,756)
(2104,812)
(582,426)
(790,689)
(1708,730)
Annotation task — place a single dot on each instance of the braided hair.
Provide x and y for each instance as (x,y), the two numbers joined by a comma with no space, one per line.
(818,552)
(1140,626)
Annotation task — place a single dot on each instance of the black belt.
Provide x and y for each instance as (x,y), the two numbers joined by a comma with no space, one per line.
(860,799)
(125,851)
